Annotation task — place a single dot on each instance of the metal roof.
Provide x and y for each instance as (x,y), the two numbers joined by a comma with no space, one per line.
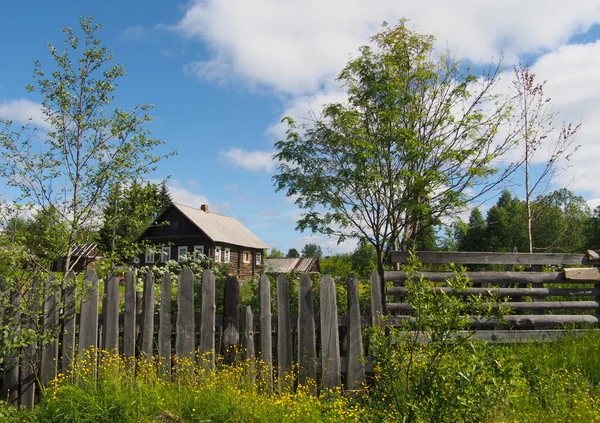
(221,228)
(85,250)
(291,265)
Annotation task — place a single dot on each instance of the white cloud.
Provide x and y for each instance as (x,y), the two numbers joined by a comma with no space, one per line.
(184,196)
(329,245)
(254,161)
(297,46)
(24,111)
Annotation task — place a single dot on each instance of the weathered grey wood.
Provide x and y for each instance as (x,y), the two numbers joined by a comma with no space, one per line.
(249,333)
(510,292)
(522,306)
(231,305)
(185,325)
(356,365)
(164,325)
(48,365)
(583,274)
(110,314)
(443,257)
(147,326)
(593,255)
(207,320)
(519,321)
(307,349)
(10,381)
(376,300)
(284,328)
(330,344)
(266,346)
(30,359)
(88,325)
(129,316)
(511,278)
(68,329)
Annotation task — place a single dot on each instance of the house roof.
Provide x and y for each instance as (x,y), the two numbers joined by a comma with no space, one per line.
(291,265)
(221,228)
(88,250)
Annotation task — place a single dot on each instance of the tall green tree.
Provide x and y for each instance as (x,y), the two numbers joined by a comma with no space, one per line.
(293,253)
(411,144)
(91,146)
(506,224)
(312,250)
(474,238)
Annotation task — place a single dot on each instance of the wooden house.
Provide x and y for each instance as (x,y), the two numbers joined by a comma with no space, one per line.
(181,230)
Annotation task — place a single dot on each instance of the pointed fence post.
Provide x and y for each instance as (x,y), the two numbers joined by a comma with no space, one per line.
(249,333)
(29,361)
(164,325)
(207,320)
(48,366)
(356,365)
(376,303)
(88,317)
(307,349)
(231,306)
(147,327)
(185,326)
(68,336)
(266,346)
(284,328)
(330,341)
(129,319)
(110,329)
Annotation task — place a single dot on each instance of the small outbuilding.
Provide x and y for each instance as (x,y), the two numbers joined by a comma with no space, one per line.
(292,265)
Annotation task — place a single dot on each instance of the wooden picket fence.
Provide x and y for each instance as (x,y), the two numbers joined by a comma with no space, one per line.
(180,333)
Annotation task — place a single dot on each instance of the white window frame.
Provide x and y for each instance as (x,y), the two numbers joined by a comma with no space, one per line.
(198,249)
(149,256)
(166,254)
(258,259)
(183,248)
(227,258)
(249,256)
(217,254)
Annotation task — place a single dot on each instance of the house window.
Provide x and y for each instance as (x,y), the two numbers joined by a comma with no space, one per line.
(246,256)
(166,254)
(198,250)
(181,251)
(258,259)
(149,258)
(217,254)
(227,257)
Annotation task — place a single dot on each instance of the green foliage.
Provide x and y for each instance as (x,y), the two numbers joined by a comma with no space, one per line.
(293,253)
(312,250)
(474,238)
(275,253)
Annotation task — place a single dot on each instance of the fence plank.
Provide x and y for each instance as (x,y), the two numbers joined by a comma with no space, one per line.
(164,325)
(88,326)
(522,305)
(376,301)
(307,350)
(10,382)
(185,326)
(508,292)
(356,365)
(110,328)
(129,317)
(207,320)
(266,346)
(68,335)
(48,365)
(147,327)
(512,278)
(29,361)
(583,274)
(231,304)
(249,333)
(443,257)
(284,327)
(330,343)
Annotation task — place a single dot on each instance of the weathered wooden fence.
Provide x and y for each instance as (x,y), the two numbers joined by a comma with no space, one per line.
(326,344)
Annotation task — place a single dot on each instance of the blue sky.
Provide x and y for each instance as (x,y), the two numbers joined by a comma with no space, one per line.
(222,73)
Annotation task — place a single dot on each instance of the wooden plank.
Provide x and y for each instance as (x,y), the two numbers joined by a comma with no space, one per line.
(495,278)
(266,346)
(519,321)
(207,320)
(48,365)
(284,328)
(523,306)
(185,325)
(508,292)
(376,300)
(307,349)
(330,344)
(356,367)
(29,361)
(583,274)
(249,333)
(10,381)
(129,317)
(68,329)
(443,257)
(147,326)
(231,305)
(110,327)
(164,326)
(88,319)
